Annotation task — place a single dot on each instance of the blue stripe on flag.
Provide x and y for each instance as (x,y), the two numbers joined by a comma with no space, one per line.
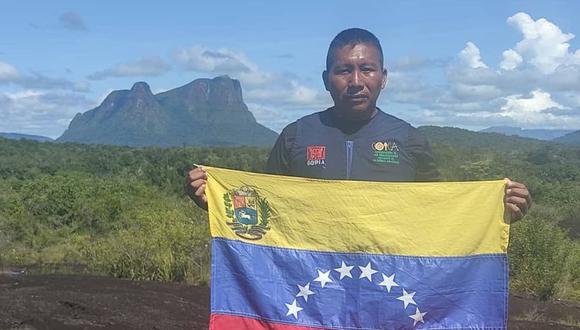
(305,288)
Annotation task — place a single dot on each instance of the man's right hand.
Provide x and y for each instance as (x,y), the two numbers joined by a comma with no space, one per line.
(195,186)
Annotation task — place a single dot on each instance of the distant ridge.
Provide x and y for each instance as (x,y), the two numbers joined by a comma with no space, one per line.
(570,138)
(540,134)
(18,136)
(454,136)
(205,112)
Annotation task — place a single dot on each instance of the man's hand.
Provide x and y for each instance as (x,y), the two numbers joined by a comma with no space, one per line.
(517,200)
(195,186)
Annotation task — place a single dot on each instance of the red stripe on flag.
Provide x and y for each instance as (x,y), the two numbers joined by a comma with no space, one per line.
(231,322)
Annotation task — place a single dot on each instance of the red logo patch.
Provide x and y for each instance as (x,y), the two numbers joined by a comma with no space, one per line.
(316,153)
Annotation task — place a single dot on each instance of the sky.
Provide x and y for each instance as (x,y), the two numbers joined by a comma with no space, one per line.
(469,64)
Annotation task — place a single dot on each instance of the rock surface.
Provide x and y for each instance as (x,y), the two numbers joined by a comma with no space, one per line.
(92,302)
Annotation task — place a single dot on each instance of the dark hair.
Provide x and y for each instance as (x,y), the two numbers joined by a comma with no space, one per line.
(352,37)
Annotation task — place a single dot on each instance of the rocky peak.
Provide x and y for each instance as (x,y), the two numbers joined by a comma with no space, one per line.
(140,95)
(141,89)
(219,94)
(225,93)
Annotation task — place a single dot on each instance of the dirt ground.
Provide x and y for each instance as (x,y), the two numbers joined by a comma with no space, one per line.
(91,302)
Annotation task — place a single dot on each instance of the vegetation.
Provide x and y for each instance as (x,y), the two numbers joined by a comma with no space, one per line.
(122,212)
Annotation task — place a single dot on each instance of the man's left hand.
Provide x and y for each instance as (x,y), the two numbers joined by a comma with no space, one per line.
(517,200)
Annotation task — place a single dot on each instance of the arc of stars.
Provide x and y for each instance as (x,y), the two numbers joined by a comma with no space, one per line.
(366,272)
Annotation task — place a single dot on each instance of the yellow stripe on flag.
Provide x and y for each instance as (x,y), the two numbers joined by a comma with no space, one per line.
(415,219)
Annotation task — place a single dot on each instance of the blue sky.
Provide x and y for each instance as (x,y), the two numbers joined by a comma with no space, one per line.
(470,64)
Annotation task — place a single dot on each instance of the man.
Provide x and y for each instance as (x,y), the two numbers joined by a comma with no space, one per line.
(355,140)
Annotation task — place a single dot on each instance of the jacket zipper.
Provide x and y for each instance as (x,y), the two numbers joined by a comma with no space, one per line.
(349,146)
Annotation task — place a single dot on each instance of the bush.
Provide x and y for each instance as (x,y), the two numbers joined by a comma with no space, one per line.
(539,252)
(116,226)
(163,244)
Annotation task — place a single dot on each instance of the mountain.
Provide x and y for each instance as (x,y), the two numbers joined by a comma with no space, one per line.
(570,138)
(205,112)
(540,134)
(18,136)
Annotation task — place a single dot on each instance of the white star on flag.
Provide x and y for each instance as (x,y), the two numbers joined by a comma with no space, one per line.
(304,291)
(389,282)
(323,278)
(417,317)
(293,309)
(367,271)
(407,298)
(344,270)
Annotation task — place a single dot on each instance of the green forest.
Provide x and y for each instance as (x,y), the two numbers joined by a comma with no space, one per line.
(122,211)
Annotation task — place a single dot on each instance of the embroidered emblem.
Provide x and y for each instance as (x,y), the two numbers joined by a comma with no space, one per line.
(316,155)
(385,152)
(250,213)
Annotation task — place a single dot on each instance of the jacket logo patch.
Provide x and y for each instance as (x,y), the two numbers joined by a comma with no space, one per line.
(315,155)
(385,152)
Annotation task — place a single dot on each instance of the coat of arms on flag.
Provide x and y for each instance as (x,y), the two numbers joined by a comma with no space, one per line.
(356,255)
(250,214)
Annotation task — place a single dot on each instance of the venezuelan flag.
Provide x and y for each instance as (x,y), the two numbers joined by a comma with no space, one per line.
(293,253)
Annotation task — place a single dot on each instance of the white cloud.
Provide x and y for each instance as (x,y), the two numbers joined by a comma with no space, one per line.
(476,92)
(295,95)
(544,45)
(408,88)
(470,55)
(260,87)
(223,61)
(407,63)
(40,81)
(533,86)
(564,78)
(532,109)
(414,63)
(276,119)
(10,75)
(39,112)
(303,95)
(8,72)
(511,60)
(206,60)
(144,67)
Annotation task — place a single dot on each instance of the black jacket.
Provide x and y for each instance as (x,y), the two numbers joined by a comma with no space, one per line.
(383,148)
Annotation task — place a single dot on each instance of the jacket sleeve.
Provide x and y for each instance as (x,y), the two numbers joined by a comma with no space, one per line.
(279,159)
(425,167)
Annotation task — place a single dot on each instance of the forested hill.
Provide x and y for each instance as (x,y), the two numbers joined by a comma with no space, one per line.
(540,134)
(461,137)
(19,136)
(161,167)
(570,138)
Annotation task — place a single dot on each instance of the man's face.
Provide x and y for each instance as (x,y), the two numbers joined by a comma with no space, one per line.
(355,80)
